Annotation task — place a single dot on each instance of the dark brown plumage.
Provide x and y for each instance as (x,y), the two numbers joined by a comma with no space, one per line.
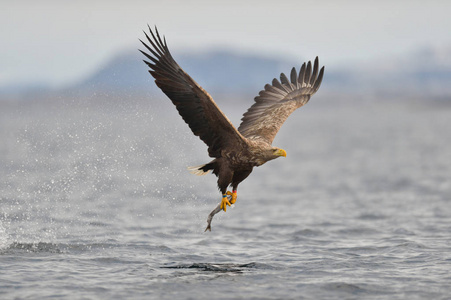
(235,152)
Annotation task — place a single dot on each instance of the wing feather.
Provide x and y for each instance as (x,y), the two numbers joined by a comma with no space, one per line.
(301,74)
(278,87)
(315,72)
(193,103)
(294,77)
(284,79)
(276,102)
(308,73)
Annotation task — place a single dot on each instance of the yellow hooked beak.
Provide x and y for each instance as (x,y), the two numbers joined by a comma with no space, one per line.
(281,152)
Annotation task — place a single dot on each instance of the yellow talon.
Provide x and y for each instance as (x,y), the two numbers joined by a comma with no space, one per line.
(234,195)
(224,202)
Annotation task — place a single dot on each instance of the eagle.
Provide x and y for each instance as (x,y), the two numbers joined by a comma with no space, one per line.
(235,152)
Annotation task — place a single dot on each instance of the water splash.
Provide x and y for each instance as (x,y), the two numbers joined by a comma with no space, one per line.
(4,237)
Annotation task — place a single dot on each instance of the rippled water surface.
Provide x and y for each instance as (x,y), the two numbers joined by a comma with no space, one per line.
(96,203)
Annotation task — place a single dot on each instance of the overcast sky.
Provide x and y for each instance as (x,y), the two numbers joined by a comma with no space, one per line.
(57,42)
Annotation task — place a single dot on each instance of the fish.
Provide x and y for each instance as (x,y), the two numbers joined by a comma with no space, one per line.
(213,213)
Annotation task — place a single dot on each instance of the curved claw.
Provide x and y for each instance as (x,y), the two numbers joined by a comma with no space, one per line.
(234,195)
(224,203)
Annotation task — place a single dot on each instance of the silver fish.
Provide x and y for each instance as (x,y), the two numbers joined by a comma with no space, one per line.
(213,213)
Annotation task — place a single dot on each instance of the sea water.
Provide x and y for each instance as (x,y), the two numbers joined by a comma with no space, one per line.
(96,203)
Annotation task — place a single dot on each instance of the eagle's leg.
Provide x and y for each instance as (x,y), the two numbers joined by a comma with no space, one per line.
(224,179)
(236,179)
(233,194)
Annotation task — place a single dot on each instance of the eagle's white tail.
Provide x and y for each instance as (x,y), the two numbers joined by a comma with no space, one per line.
(197,170)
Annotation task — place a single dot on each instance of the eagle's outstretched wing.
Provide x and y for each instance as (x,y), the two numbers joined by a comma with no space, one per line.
(193,103)
(277,101)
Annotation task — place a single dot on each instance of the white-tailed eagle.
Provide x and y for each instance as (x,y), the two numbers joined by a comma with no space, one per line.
(235,151)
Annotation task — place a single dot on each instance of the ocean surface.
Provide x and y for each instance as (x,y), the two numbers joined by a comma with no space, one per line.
(96,203)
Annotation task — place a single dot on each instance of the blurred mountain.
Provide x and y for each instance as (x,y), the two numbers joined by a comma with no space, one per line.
(217,71)
(425,73)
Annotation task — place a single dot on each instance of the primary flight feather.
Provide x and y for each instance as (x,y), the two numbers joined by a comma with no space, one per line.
(235,152)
